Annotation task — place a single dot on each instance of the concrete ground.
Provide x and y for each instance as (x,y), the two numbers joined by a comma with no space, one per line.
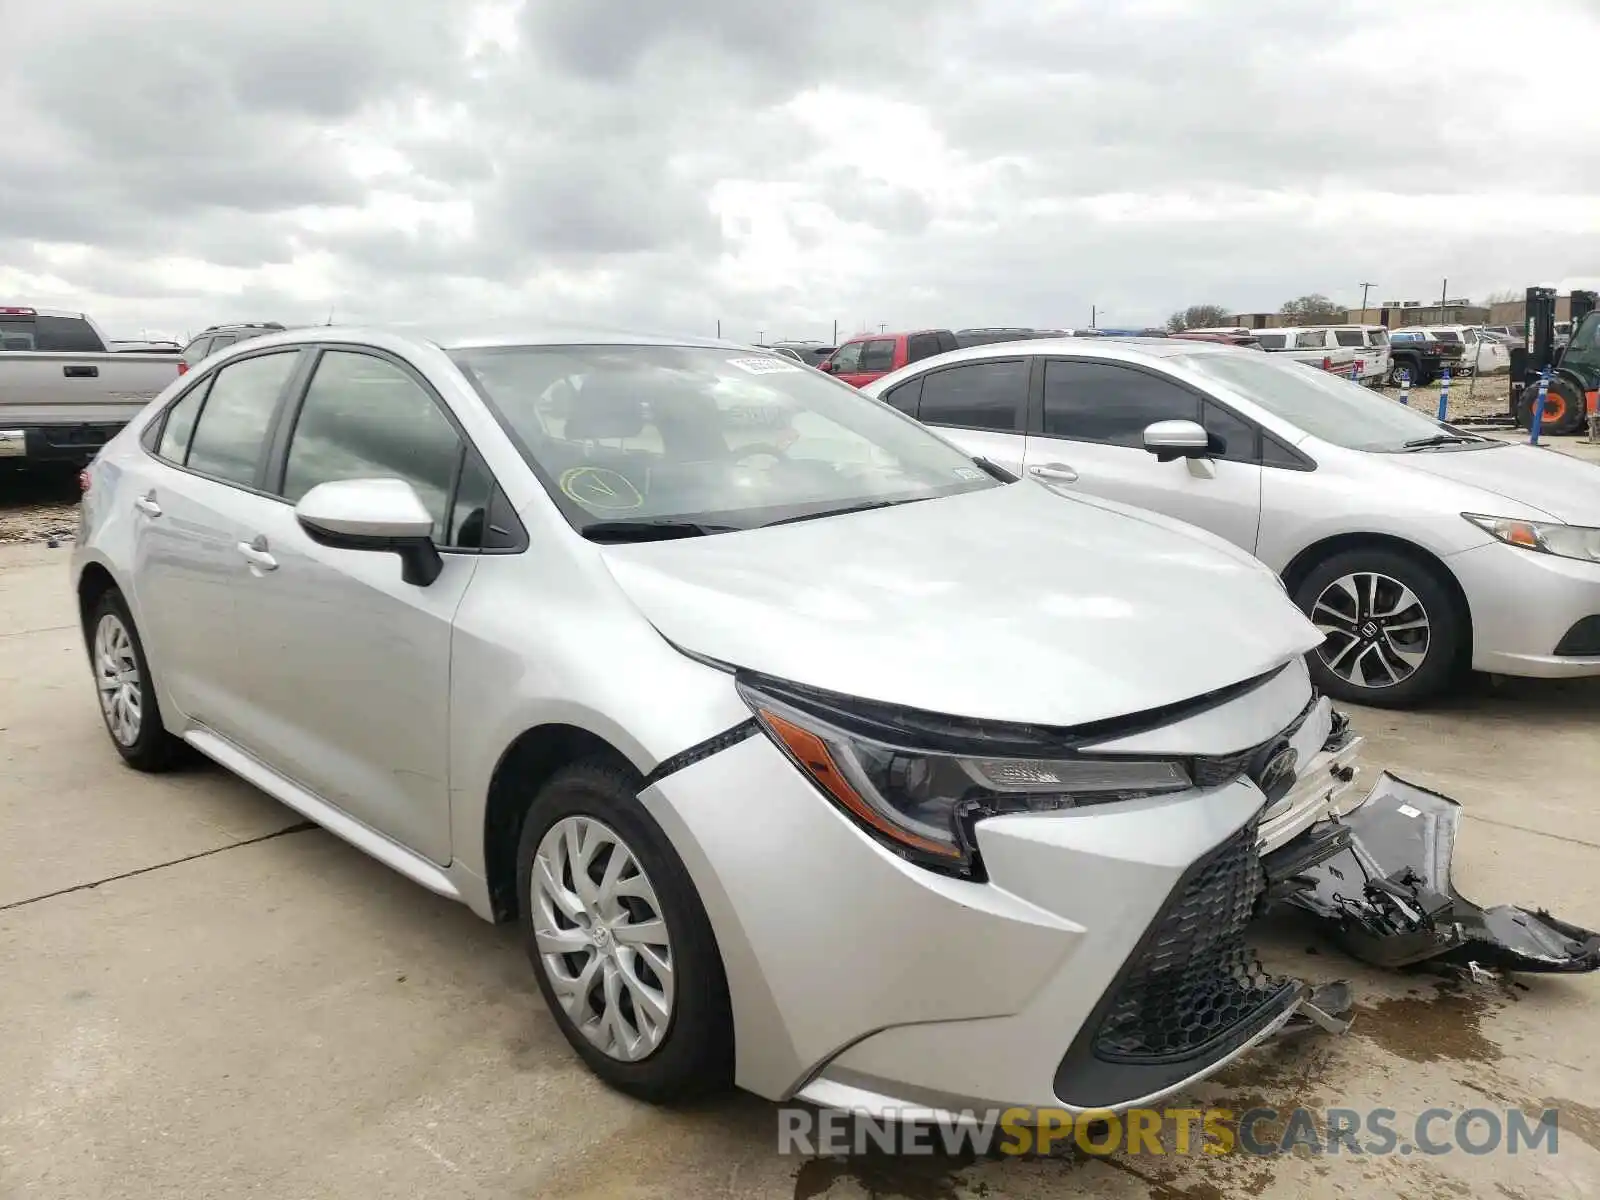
(202,997)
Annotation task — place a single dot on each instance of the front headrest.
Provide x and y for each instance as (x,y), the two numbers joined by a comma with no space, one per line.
(607,406)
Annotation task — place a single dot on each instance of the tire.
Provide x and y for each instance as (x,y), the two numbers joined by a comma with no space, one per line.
(692,1054)
(1419,377)
(1563,408)
(1360,657)
(114,645)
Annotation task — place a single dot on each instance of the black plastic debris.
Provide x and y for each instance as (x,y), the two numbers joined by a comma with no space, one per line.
(1378,880)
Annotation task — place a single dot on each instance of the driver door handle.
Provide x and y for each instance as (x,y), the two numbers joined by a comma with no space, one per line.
(255,553)
(147,505)
(1054,473)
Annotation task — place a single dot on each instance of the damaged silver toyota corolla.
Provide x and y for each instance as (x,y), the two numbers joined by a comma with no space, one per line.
(810,752)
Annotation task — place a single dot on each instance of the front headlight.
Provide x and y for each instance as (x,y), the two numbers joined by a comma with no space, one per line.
(1546,537)
(922,803)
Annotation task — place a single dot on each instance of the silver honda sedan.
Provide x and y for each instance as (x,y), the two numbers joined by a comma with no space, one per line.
(1418,549)
(809,753)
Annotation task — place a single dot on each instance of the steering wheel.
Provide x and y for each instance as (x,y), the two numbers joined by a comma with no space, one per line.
(760,450)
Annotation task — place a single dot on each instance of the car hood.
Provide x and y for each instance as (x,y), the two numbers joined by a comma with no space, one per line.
(1012,603)
(1557,484)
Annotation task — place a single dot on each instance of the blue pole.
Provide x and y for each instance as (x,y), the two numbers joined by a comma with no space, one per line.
(1355,371)
(1405,388)
(1444,393)
(1536,422)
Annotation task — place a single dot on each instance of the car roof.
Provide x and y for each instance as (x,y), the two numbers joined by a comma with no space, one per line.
(1122,349)
(465,336)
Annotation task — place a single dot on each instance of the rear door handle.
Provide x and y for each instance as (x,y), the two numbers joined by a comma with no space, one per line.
(1054,473)
(255,553)
(81,371)
(148,506)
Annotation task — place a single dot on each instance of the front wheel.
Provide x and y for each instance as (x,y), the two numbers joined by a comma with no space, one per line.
(1393,631)
(621,946)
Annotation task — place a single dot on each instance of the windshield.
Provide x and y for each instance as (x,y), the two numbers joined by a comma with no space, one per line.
(666,436)
(1325,405)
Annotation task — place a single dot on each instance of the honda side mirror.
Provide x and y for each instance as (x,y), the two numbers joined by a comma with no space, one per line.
(1169,440)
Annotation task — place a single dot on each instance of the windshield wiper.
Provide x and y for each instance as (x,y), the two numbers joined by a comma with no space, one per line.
(650,530)
(851,508)
(1440,439)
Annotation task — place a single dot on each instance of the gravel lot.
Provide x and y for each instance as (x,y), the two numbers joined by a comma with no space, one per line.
(38,505)
(1471,397)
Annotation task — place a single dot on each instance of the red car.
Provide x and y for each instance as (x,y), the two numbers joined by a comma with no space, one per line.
(865,357)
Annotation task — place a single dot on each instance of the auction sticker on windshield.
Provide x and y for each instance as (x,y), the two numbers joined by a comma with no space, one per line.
(762,366)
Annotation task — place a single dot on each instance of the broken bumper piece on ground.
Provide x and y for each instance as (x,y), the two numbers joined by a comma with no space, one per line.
(1378,881)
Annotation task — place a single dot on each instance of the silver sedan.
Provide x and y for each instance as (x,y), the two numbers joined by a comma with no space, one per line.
(1418,549)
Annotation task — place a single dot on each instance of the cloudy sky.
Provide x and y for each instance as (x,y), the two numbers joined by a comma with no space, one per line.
(780,165)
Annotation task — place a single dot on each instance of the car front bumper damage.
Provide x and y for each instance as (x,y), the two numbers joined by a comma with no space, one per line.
(1377,880)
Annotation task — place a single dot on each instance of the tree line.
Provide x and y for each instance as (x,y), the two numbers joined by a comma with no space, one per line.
(1315,309)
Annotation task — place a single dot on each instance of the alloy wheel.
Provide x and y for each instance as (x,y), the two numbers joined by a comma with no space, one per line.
(601,938)
(1376,631)
(116,669)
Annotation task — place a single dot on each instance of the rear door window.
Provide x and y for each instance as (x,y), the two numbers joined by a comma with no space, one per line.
(1273,341)
(981,395)
(1110,403)
(178,423)
(878,355)
(66,335)
(231,432)
(906,396)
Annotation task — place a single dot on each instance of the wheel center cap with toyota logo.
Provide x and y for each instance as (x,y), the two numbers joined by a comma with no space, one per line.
(1277,774)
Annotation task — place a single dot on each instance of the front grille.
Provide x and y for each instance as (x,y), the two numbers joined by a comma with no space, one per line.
(1214,770)
(1194,980)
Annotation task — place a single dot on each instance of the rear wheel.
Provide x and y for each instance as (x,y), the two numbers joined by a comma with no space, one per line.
(126,691)
(1393,630)
(620,944)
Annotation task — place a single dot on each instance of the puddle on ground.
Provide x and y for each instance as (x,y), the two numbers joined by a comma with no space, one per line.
(1443,1026)
(1580,1120)
(883,1176)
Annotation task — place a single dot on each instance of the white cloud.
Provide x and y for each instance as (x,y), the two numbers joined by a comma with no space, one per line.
(780,165)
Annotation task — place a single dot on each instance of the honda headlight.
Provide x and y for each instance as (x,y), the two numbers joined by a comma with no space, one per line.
(922,803)
(1546,537)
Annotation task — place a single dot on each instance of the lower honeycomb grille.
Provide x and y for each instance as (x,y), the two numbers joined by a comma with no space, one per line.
(1194,980)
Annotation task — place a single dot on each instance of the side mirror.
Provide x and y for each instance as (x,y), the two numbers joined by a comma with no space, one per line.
(827,366)
(1169,440)
(381,515)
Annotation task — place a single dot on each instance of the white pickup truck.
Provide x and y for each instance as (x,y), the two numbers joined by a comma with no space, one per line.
(63,391)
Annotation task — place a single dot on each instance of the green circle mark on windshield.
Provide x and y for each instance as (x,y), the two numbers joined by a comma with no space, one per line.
(602,490)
